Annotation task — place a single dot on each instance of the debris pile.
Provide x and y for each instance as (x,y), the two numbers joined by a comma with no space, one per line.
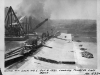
(87,54)
(83,49)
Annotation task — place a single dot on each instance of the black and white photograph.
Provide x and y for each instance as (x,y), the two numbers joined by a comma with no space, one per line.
(50,34)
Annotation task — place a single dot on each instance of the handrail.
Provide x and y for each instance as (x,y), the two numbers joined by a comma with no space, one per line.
(14,52)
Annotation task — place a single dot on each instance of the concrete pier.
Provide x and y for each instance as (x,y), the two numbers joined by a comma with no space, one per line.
(61,52)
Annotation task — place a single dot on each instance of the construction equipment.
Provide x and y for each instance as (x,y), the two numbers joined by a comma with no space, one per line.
(40,24)
(13,27)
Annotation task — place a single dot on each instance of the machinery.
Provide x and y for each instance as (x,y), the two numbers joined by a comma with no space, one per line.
(13,27)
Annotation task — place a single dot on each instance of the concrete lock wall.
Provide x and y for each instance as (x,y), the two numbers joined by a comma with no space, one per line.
(66,36)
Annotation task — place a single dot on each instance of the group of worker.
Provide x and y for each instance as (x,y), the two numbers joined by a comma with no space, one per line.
(40,40)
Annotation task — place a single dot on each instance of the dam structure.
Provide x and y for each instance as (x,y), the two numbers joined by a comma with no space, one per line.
(28,49)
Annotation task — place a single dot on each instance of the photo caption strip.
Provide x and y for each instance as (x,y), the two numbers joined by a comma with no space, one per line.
(57,71)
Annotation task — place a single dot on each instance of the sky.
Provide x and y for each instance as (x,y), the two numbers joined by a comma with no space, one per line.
(72,9)
(13,3)
(56,9)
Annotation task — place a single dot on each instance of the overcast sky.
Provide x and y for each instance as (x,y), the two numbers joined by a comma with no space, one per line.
(13,3)
(72,9)
(62,9)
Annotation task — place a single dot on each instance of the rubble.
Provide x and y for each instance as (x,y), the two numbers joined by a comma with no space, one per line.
(87,54)
(83,49)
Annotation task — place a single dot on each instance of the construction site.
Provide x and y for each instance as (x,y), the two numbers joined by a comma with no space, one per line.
(36,45)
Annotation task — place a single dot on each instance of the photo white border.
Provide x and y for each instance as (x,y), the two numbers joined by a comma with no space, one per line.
(2,37)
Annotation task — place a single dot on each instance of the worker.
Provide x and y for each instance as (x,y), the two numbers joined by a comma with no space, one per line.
(34,43)
(47,35)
